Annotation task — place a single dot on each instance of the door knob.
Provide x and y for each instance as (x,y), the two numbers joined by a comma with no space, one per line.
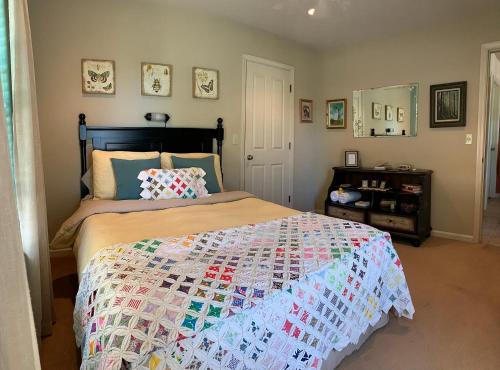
(249,157)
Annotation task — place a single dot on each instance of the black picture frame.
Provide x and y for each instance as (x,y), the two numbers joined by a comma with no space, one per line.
(448,105)
(346,162)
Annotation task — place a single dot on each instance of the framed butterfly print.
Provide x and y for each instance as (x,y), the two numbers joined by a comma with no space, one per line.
(98,76)
(156,79)
(205,83)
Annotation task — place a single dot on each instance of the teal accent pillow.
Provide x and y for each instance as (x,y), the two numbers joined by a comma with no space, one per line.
(206,164)
(128,186)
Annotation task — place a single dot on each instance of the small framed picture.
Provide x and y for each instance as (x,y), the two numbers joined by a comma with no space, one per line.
(336,113)
(383,184)
(205,83)
(156,79)
(364,183)
(306,111)
(389,113)
(98,76)
(376,111)
(374,184)
(351,158)
(401,114)
(448,104)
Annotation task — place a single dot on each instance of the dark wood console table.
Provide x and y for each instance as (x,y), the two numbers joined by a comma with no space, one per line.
(409,217)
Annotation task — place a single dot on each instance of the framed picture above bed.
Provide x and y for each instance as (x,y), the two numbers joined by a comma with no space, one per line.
(98,76)
(156,79)
(448,104)
(205,83)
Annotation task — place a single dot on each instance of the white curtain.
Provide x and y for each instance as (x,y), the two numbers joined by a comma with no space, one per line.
(18,341)
(29,184)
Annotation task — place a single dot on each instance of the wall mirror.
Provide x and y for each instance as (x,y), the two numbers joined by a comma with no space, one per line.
(385,111)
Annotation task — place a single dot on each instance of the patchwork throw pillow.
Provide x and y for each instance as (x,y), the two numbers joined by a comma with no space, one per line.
(168,184)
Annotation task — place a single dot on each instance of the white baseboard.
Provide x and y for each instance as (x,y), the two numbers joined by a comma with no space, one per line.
(453,236)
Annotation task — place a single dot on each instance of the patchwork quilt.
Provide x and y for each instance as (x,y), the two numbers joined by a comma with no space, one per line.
(276,295)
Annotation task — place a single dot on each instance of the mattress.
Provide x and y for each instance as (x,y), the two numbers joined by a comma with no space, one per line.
(230,282)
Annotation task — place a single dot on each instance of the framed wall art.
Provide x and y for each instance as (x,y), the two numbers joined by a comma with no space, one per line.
(306,111)
(376,111)
(98,76)
(336,113)
(156,79)
(400,114)
(389,113)
(205,83)
(448,107)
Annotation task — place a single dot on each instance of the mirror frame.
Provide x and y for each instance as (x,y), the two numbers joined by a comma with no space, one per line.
(387,87)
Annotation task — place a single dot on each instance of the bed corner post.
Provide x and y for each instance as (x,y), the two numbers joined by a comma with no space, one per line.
(82,125)
(219,137)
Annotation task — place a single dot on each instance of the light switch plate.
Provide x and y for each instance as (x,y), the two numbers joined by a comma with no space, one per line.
(468,139)
(235,140)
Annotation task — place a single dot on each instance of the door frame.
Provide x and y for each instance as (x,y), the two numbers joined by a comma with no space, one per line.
(250,58)
(482,131)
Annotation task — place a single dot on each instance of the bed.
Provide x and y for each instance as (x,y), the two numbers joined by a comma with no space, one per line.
(228,281)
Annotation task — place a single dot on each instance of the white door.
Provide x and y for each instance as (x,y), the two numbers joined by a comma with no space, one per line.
(268,131)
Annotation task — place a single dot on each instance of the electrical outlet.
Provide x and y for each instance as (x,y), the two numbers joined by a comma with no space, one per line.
(468,139)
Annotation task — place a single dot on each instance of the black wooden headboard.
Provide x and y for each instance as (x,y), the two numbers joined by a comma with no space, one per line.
(145,139)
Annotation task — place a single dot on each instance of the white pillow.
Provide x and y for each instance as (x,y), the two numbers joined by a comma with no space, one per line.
(104,183)
(166,162)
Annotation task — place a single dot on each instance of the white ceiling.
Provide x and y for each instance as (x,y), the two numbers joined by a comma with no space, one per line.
(339,22)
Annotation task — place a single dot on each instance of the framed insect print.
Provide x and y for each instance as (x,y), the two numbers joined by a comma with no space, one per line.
(389,113)
(448,104)
(376,111)
(205,83)
(98,76)
(401,114)
(156,79)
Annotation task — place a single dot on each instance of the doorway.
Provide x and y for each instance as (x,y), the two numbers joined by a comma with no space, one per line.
(491,216)
(267,126)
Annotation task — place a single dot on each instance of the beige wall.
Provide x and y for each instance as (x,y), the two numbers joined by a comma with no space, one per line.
(129,32)
(443,54)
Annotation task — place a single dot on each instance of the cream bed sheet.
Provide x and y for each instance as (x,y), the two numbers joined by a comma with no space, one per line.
(103,230)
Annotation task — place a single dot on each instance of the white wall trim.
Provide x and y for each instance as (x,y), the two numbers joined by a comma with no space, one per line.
(453,236)
(482,125)
(250,58)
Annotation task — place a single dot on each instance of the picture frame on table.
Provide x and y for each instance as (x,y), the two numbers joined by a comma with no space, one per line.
(374,184)
(351,158)
(448,105)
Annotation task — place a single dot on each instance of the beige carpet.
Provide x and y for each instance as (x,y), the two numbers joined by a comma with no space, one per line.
(456,292)
(491,222)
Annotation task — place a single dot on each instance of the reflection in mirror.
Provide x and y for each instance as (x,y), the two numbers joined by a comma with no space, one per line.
(385,111)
